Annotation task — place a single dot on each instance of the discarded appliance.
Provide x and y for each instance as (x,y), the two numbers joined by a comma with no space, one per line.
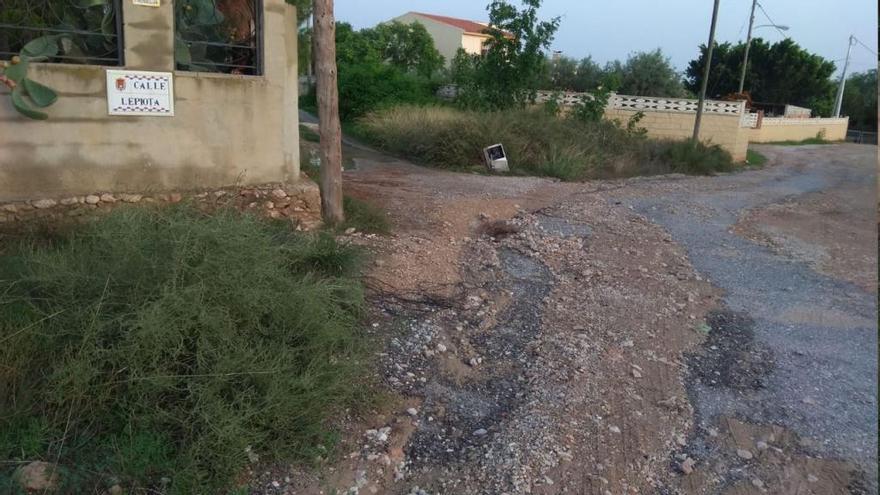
(496,158)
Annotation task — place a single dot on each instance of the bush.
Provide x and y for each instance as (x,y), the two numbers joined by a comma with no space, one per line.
(536,142)
(366,87)
(168,343)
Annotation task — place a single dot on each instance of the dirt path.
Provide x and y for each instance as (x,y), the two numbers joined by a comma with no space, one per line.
(638,336)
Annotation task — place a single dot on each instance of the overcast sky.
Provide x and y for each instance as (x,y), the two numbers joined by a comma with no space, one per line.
(610,30)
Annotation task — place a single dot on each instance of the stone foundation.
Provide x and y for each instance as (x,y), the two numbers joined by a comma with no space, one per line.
(299,202)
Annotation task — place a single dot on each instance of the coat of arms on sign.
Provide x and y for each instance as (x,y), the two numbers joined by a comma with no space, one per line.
(120,83)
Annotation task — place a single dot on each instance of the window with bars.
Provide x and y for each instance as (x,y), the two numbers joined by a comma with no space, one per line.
(224,36)
(65,31)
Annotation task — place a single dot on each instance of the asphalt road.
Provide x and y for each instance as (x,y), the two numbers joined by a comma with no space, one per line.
(801,345)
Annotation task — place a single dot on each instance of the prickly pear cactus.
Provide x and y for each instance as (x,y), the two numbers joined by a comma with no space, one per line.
(26,93)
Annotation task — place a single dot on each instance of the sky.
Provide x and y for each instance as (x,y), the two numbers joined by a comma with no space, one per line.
(610,30)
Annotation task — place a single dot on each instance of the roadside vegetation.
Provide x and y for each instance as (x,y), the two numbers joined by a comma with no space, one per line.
(166,349)
(537,143)
(755,158)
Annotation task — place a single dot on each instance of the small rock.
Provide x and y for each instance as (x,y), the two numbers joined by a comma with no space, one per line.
(744,454)
(812,478)
(806,400)
(627,343)
(350,230)
(712,432)
(762,445)
(687,467)
(131,198)
(412,412)
(279,193)
(37,476)
(276,484)
(480,433)
(441,348)
(115,490)
(757,483)
(636,373)
(69,201)
(10,208)
(44,203)
(108,198)
(614,429)
(175,197)
(474,362)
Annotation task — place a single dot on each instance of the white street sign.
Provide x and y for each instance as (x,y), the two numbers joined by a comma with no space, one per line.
(147,3)
(140,93)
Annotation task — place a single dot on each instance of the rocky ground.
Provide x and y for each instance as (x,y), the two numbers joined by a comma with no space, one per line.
(639,336)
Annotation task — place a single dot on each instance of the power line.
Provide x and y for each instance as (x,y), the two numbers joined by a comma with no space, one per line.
(771,20)
(866,47)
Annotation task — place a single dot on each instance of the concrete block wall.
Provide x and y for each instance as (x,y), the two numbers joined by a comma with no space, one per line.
(797,129)
(227,129)
(723,130)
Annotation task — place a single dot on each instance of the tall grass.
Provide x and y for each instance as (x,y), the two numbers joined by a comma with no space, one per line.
(157,344)
(536,142)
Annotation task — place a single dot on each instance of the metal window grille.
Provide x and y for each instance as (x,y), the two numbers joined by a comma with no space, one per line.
(85,31)
(224,36)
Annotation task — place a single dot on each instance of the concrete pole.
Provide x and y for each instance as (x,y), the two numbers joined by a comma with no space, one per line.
(705,83)
(839,100)
(742,77)
(328,112)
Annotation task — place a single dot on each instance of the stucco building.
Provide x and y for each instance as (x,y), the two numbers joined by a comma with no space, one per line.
(450,33)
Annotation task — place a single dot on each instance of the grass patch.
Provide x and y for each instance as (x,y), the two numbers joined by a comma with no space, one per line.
(364,217)
(755,158)
(812,140)
(306,133)
(166,343)
(537,143)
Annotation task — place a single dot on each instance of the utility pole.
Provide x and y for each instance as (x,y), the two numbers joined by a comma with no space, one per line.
(839,101)
(328,112)
(742,77)
(705,83)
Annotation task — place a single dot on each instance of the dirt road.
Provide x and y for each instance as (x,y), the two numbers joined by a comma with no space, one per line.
(664,335)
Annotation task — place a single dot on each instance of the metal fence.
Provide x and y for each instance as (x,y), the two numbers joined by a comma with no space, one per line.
(223,36)
(861,137)
(76,31)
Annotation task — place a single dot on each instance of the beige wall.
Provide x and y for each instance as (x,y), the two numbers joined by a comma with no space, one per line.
(472,43)
(723,130)
(783,129)
(447,39)
(226,129)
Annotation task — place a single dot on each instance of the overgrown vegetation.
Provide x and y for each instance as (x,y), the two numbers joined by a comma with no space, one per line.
(383,66)
(536,142)
(163,349)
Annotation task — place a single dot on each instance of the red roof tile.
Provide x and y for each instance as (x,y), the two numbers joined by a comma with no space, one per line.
(468,26)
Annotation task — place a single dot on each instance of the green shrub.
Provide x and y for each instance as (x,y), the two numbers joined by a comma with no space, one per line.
(169,343)
(369,86)
(536,142)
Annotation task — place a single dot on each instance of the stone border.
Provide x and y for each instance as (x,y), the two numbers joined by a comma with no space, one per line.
(299,202)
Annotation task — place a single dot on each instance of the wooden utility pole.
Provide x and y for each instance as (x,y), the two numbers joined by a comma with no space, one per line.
(704,84)
(324,37)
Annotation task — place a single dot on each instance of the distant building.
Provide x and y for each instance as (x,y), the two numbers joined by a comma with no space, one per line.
(450,33)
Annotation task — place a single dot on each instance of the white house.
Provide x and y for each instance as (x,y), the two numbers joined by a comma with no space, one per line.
(450,33)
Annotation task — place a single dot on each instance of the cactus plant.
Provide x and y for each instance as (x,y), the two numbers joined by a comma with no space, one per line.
(25,92)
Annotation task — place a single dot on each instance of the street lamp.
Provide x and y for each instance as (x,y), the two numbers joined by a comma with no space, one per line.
(742,77)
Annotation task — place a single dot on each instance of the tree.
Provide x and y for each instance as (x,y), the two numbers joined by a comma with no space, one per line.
(509,70)
(860,100)
(408,47)
(328,112)
(650,74)
(782,73)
